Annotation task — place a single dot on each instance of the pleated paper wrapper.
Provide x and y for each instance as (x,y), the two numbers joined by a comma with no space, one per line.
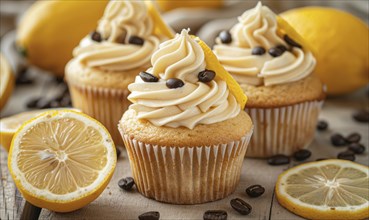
(186,175)
(283,130)
(103,104)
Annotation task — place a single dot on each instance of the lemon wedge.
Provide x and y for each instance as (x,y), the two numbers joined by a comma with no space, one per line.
(160,26)
(212,63)
(9,125)
(328,189)
(6,81)
(61,160)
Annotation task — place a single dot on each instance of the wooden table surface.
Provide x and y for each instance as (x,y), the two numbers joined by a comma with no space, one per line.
(115,203)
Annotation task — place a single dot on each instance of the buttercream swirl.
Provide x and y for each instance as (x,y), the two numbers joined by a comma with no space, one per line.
(258,28)
(121,20)
(194,103)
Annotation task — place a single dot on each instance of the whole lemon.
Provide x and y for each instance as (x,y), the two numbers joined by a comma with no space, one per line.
(340,41)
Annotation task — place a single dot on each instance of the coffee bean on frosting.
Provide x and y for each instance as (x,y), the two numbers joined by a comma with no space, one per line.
(291,42)
(206,76)
(96,36)
(147,77)
(174,83)
(275,52)
(225,37)
(136,40)
(258,51)
(215,215)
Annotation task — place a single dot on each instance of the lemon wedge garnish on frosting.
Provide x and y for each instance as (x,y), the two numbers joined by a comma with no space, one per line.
(212,63)
(285,28)
(160,26)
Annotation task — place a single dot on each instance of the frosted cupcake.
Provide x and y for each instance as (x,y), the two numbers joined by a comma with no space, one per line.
(274,68)
(107,61)
(185,133)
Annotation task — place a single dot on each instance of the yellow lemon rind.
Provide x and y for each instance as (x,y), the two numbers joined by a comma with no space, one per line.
(9,83)
(52,204)
(212,63)
(311,213)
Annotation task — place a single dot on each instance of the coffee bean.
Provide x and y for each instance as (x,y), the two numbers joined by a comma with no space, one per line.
(278,159)
(206,76)
(346,155)
(174,83)
(361,116)
(291,42)
(322,125)
(258,51)
(275,52)
(357,148)
(338,140)
(126,183)
(282,48)
(149,216)
(96,36)
(136,40)
(241,206)
(353,138)
(255,191)
(215,215)
(32,103)
(301,155)
(225,37)
(147,77)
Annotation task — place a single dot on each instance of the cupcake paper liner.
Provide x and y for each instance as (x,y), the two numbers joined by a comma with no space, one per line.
(103,104)
(186,175)
(283,130)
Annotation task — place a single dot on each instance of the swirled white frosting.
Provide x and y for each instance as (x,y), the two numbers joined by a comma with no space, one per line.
(258,28)
(193,104)
(121,20)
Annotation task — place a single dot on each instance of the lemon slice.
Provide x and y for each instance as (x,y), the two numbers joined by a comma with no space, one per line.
(6,81)
(61,160)
(160,26)
(285,28)
(212,63)
(328,189)
(9,125)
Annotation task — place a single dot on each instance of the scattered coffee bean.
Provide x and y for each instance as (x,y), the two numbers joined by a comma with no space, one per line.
(147,77)
(361,116)
(258,51)
(149,216)
(174,83)
(275,52)
(338,140)
(225,37)
(96,36)
(291,42)
(322,125)
(255,191)
(320,159)
(357,148)
(302,155)
(282,48)
(346,155)
(136,40)
(206,76)
(278,159)
(353,138)
(241,206)
(32,103)
(119,152)
(126,183)
(215,215)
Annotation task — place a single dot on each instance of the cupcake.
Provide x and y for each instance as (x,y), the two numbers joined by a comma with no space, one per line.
(185,133)
(107,61)
(274,67)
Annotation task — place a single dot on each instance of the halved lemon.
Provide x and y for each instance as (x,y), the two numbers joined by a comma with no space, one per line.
(62,160)
(328,189)
(7,81)
(10,125)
